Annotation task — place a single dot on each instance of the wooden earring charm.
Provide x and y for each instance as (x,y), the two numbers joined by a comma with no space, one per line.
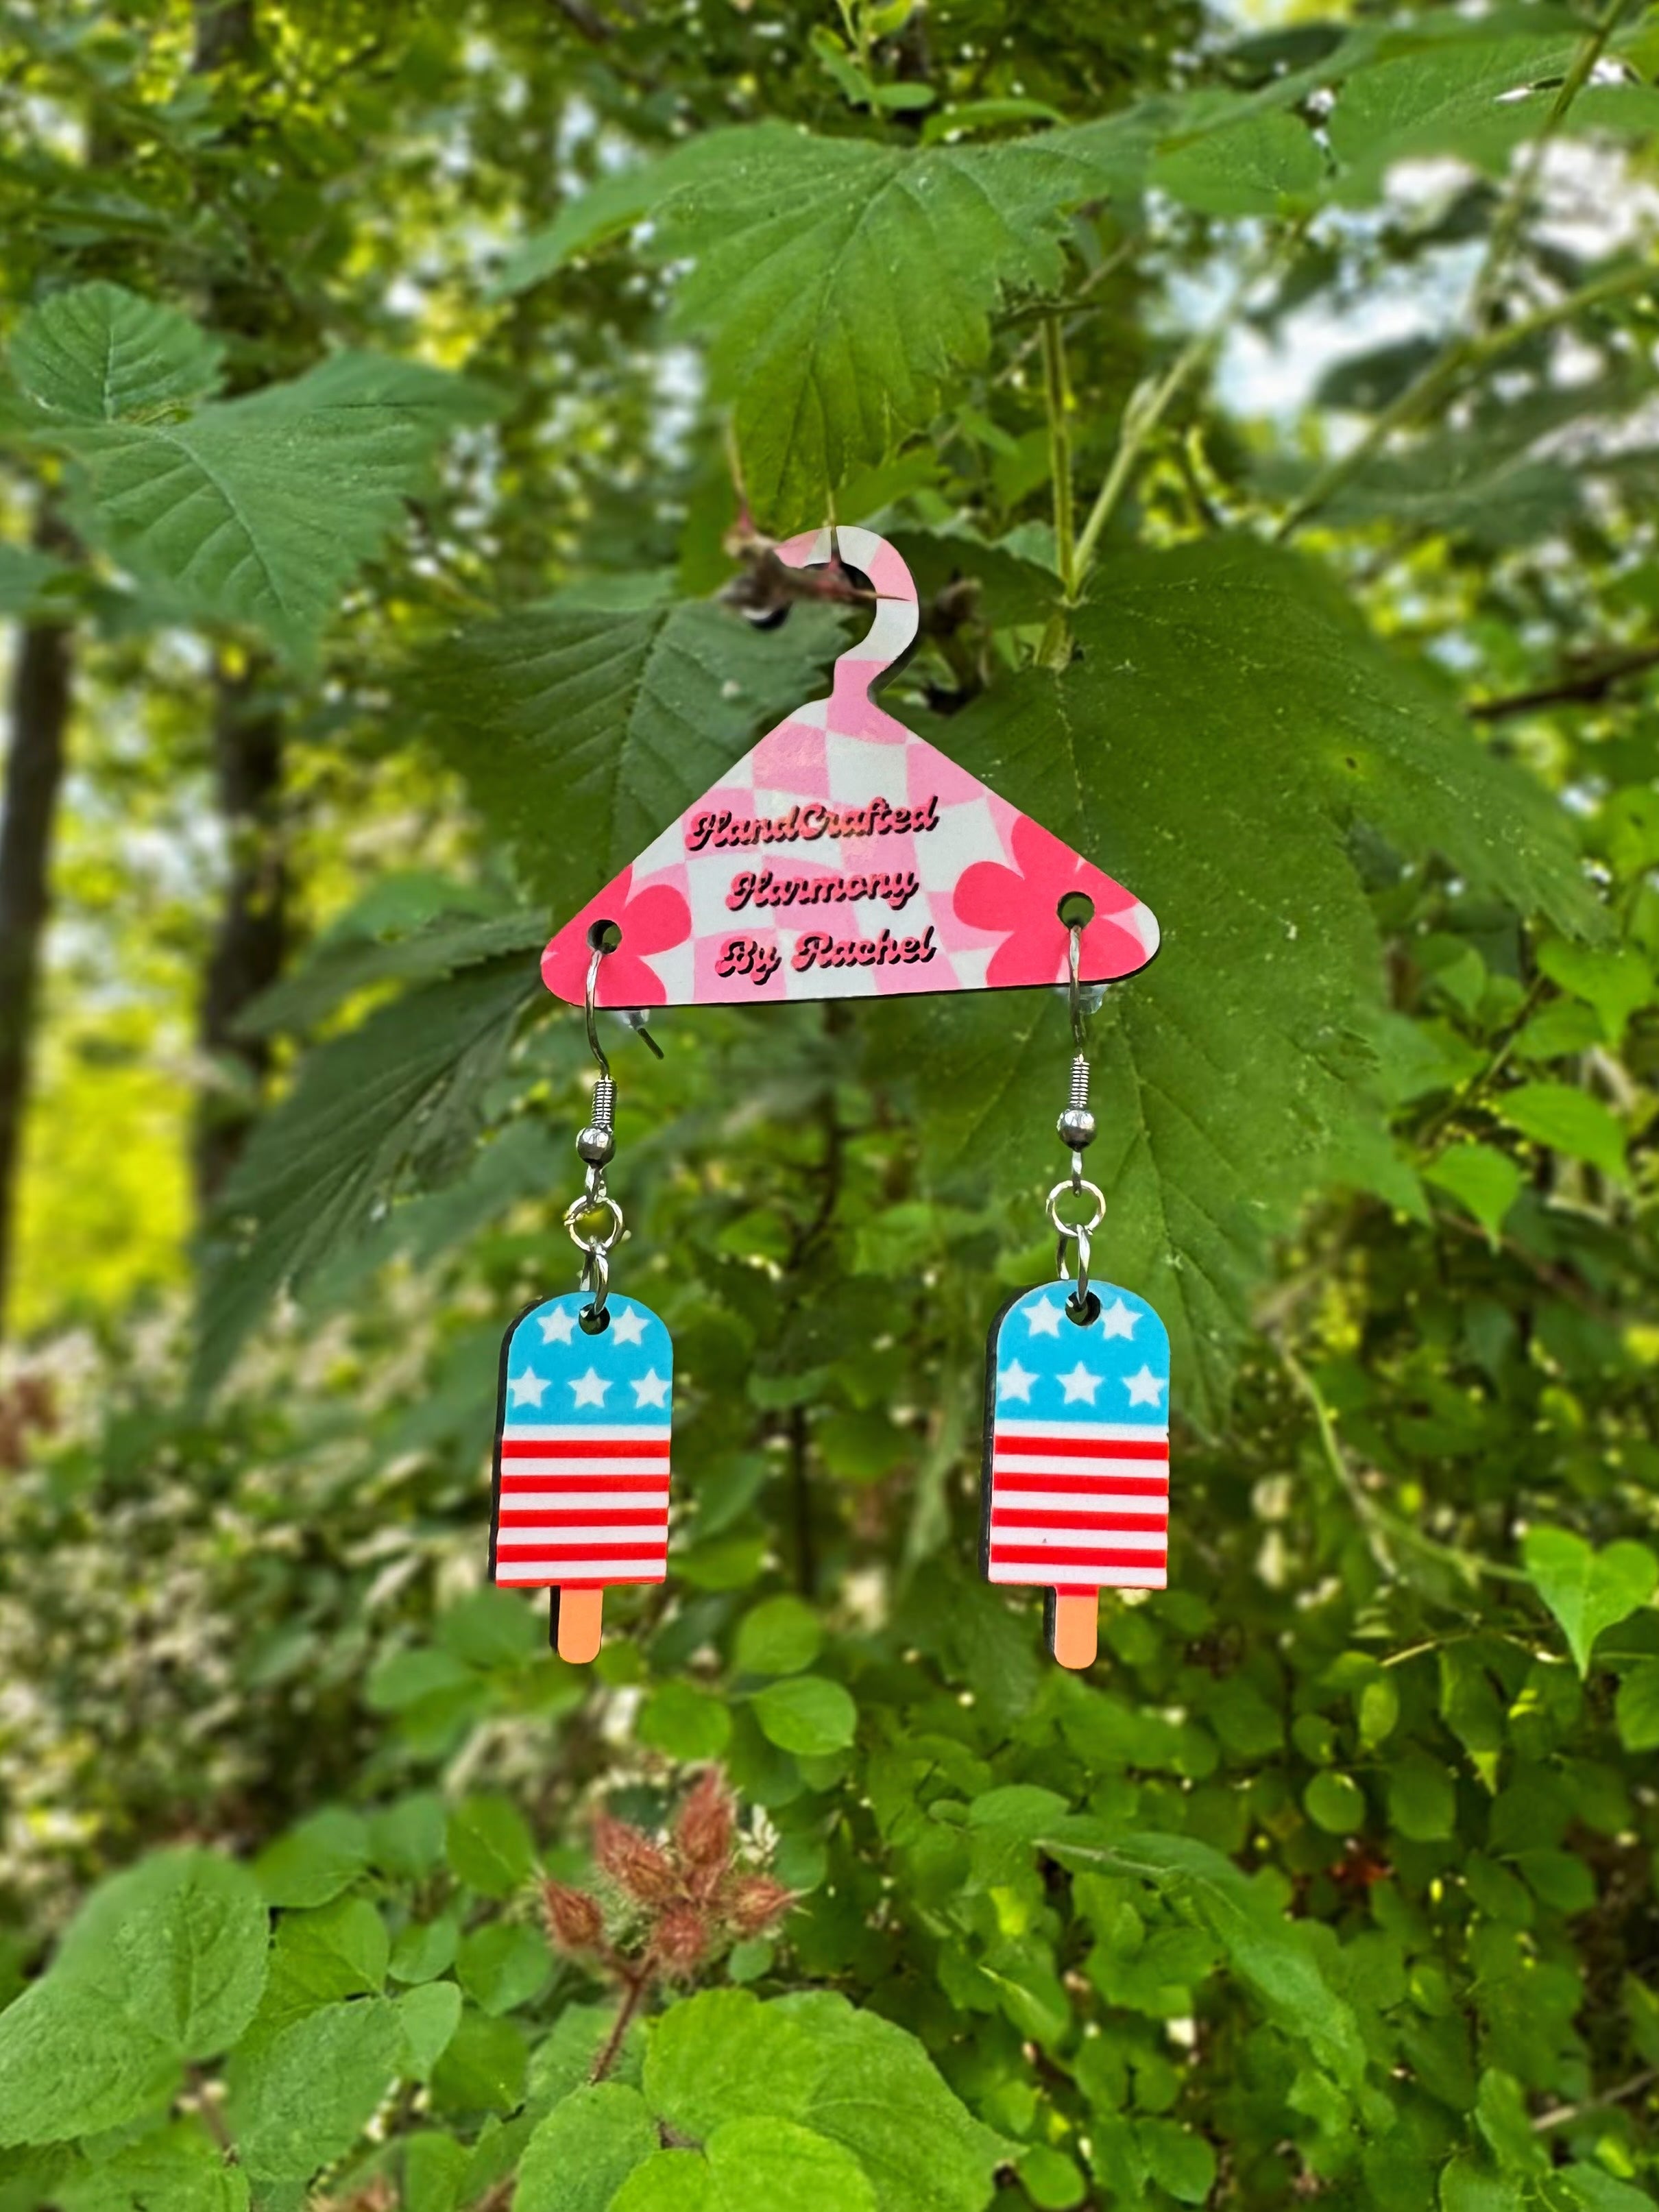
(1077,1418)
(586,1410)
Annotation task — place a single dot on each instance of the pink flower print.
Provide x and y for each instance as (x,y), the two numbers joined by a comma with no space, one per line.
(1023,902)
(652,919)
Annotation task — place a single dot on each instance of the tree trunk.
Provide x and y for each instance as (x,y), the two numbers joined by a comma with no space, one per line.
(252,937)
(38,718)
(250,940)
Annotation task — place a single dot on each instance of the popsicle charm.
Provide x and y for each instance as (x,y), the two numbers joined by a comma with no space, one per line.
(581,1458)
(1076,1407)
(1076,1454)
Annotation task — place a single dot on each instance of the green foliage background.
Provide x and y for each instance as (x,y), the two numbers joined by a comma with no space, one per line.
(1267,413)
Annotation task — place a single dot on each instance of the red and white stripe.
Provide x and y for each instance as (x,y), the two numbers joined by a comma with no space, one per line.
(1080,1505)
(582,1505)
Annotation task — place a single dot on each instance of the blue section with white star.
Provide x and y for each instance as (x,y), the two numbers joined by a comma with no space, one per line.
(1052,1368)
(556,1375)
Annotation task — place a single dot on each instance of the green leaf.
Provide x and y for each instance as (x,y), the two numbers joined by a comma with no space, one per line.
(722,2054)
(840,281)
(880,2094)
(482,2067)
(503,1966)
(425,1950)
(1336,1803)
(580,2155)
(1466,2187)
(1569,1120)
(163,1964)
(260,510)
(492,1628)
(408,1838)
(1636,1708)
(488,1846)
(1251,166)
(1422,1797)
(24,576)
(179,2169)
(1177,2160)
(366,1106)
(685,1721)
(1615,980)
(807,1714)
(581,732)
(1484,1179)
(72,2063)
(780,1635)
(1597,2190)
(301,2097)
(1230,1072)
(1447,96)
(1588,1590)
(723,2057)
(178,1942)
(98,353)
(1276,1958)
(751,2162)
(427,2019)
(434,2168)
(319,1957)
(315,1860)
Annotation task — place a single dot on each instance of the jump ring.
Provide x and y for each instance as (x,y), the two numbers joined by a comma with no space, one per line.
(1066,1229)
(580,1207)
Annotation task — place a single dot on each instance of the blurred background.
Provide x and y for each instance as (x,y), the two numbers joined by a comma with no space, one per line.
(400,406)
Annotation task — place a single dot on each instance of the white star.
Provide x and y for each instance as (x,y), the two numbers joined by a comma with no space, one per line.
(558,1327)
(1015,1382)
(628,1327)
(651,1389)
(1080,1383)
(589,1388)
(1144,1388)
(1117,1320)
(1044,1319)
(526,1389)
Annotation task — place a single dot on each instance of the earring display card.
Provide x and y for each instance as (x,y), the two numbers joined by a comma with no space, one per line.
(845,857)
(581,1458)
(1076,1454)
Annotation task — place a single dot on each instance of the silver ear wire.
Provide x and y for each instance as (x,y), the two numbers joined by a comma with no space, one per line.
(1076,1128)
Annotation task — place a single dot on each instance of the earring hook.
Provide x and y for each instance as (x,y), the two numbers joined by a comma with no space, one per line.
(632,1016)
(1074,985)
(594,1044)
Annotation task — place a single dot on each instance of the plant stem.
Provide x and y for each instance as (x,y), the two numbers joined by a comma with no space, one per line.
(1057,399)
(1468,351)
(1506,228)
(1144,413)
(633,1988)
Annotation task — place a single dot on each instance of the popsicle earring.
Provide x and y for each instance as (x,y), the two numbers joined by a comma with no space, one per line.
(585,1405)
(1076,1425)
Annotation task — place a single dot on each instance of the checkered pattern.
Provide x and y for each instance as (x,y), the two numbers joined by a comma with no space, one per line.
(843,752)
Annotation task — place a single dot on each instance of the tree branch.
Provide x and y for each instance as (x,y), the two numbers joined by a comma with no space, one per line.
(1592,683)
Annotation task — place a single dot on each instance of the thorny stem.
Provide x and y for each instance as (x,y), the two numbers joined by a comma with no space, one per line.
(1468,352)
(1507,228)
(634,1985)
(1143,414)
(1384,1529)
(1057,400)
(1337,1459)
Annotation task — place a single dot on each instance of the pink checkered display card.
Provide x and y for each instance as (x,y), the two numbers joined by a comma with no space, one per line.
(845,857)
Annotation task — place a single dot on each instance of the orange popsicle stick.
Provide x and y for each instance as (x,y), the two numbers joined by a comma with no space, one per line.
(578,1623)
(1074,1628)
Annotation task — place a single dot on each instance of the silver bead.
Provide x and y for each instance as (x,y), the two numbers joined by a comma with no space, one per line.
(1076,1127)
(595,1145)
